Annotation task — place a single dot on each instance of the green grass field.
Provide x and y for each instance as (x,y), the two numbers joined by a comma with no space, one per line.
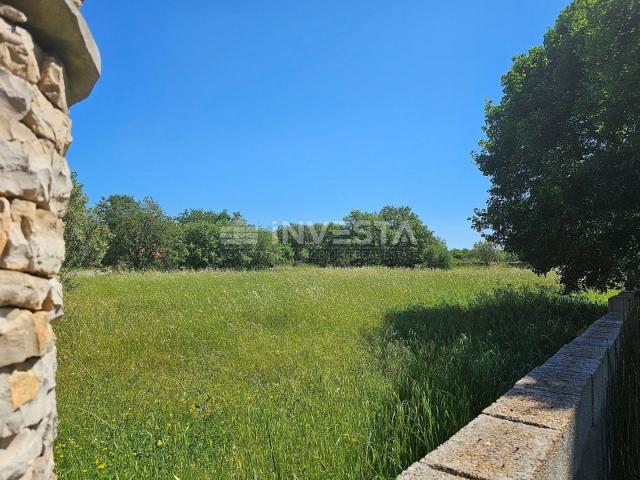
(294,373)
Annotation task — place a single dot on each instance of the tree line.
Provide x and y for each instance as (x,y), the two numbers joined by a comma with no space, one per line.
(121,232)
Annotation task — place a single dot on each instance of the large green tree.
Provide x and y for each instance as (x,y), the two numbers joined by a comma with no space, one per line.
(143,236)
(86,238)
(562,149)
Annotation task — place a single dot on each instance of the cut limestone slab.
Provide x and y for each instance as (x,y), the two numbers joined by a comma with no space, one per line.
(496,449)
(422,471)
(60,26)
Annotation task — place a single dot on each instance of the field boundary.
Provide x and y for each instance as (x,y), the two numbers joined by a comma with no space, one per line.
(554,424)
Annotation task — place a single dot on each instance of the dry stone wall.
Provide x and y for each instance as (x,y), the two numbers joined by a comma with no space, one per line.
(554,424)
(35,187)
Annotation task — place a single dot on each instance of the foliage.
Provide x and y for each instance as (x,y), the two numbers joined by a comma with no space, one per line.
(143,236)
(485,252)
(86,238)
(562,149)
(393,237)
(220,240)
(292,373)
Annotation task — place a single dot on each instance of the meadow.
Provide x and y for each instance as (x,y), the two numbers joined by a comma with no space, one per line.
(293,373)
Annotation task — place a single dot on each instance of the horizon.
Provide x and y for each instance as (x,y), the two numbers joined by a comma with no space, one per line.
(300,112)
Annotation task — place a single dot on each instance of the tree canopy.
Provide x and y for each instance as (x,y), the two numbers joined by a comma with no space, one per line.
(562,149)
(86,238)
(143,236)
(394,237)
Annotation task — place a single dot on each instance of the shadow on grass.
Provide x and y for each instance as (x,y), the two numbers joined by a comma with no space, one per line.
(447,362)
(626,406)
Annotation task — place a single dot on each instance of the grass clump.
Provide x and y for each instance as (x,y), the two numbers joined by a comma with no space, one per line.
(293,373)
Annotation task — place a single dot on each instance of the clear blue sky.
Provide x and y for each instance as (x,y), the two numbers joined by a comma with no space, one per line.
(299,109)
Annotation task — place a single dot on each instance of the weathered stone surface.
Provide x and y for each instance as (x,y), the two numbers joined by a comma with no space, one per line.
(15,95)
(22,290)
(561,378)
(52,82)
(43,466)
(41,369)
(570,415)
(540,408)
(11,14)
(421,471)
(5,221)
(54,302)
(29,414)
(18,340)
(26,167)
(24,387)
(32,169)
(35,188)
(18,456)
(61,185)
(35,240)
(46,121)
(44,333)
(23,383)
(59,25)
(18,52)
(497,449)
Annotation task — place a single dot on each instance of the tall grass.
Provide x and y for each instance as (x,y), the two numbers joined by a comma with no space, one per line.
(292,373)
(626,412)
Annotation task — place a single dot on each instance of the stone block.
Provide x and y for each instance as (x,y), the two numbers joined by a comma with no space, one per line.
(61,185)
(54,303)
(21,384)
(5,222)
(497,449)
(11,14)
(30,414)
(24,387)
(571,415)
(52,82)
(32,169)
(15,95)
(46,121)
(35,240)
(26,169)
(22,290)
(561,376)
(43,466)
(18,52)
(422,471)
(18,337)
(18,455)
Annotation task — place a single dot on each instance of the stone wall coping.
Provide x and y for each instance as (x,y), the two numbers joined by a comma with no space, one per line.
(59,26)
(552,425)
